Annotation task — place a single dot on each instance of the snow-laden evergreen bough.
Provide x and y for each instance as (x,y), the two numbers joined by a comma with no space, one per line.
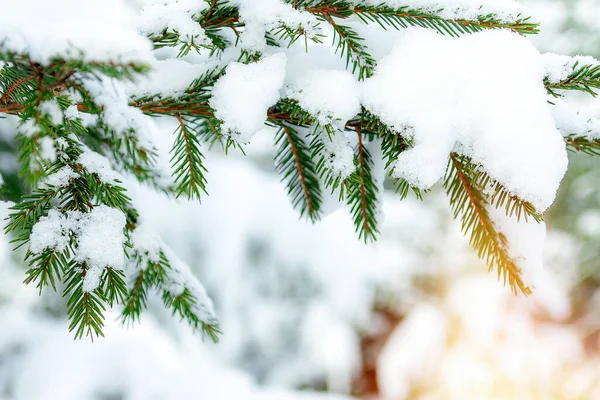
(352,91)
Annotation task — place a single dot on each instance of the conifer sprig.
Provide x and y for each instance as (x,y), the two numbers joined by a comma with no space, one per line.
(321,136)
(393,143)
(84,309)
(362,193)
(470,204)
(583,78)
(404,17)
(583,144)
(188,167)
(155,274)
(137,296)
(184,305)
(351,46)
(295,165)
(113,286)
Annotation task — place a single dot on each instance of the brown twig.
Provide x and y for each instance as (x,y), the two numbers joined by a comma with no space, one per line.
(6,96)
(309,202)
(363,194)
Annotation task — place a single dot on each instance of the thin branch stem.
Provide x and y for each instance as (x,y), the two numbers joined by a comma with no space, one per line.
(309,202)
(188,151)
(363,193)
(16,84)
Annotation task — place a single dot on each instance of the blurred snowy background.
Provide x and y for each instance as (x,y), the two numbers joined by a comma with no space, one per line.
(309,312)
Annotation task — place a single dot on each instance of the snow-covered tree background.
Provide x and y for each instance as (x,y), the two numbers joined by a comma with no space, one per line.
(312,311)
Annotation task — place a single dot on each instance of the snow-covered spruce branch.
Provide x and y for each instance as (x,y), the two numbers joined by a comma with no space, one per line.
(156,267)
(187,161)
(83,117)
(222,15)
(583,144)
(403,17)
(571,73)
(78,221)
(187,158)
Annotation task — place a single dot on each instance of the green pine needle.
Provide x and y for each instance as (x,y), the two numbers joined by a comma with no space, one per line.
(184,305)
(294,163)
(362,194)
(84,309)
(583,78)
(186,161)
(583,144)
(469,203)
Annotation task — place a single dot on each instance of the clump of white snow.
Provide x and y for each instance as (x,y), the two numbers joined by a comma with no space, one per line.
(571,122)
(52,110)
(259,16)
(60,177)
(72,112)
(147,242)
(93,30)
(338,153)
(243,95)
(100,241)
(29,128)
(559,67)
(117,113)
(170,77)
(49,233)
(98,164)
(98,233)
(176,15)
(47,149)
(328,95)
(481,95)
